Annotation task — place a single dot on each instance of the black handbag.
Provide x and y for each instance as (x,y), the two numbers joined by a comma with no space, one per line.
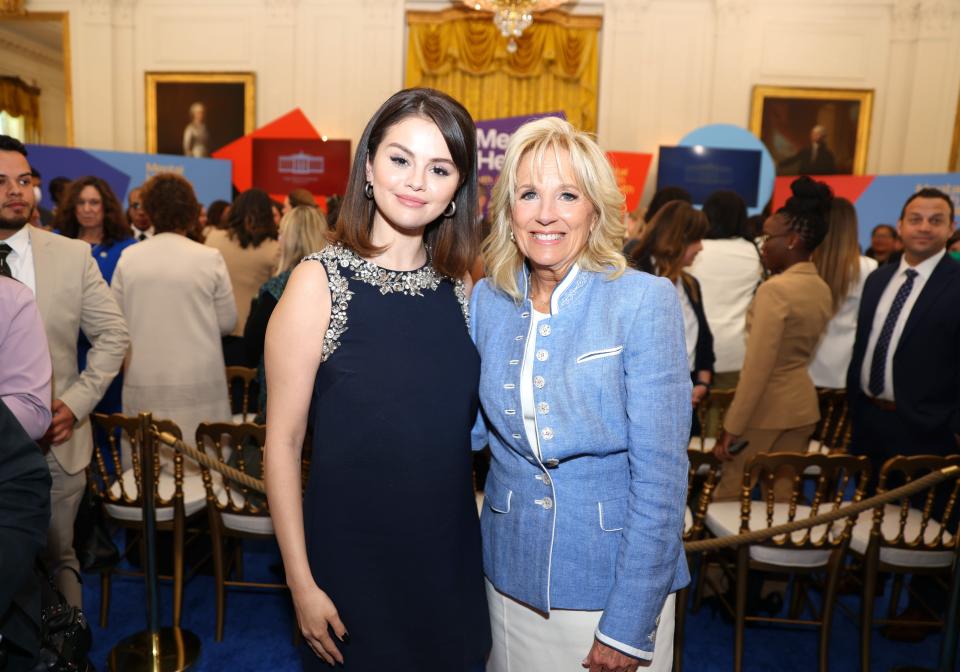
(65,638)
(91,535)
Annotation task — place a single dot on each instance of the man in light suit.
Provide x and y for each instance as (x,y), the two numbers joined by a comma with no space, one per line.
(904,377)
(71,296)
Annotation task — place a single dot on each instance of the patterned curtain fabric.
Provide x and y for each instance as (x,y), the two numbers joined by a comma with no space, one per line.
(554,68)
(19,99)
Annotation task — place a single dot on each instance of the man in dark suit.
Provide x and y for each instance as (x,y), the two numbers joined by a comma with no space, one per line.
(904,377)
(814,159)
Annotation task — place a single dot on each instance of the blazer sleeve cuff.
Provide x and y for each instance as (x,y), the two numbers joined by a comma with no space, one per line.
(623,648)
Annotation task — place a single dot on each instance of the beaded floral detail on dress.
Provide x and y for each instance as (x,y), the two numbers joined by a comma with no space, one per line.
(412,283)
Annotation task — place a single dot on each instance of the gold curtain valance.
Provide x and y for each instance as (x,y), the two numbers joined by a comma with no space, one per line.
(19,99)
(555,66)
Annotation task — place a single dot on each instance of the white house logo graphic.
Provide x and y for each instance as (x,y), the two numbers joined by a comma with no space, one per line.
(301,163)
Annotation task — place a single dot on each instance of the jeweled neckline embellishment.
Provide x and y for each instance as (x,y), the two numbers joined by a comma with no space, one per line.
(411,283)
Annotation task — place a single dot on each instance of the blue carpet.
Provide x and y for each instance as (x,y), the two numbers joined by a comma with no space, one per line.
(259,628)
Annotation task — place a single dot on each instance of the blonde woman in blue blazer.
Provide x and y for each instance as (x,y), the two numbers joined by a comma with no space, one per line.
(585,404)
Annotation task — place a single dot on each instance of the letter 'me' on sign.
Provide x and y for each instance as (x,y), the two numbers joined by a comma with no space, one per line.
(493,136)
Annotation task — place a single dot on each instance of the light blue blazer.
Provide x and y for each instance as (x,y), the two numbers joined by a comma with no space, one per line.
(595,522)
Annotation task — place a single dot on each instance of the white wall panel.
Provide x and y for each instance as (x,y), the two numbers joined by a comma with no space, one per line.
(667,66)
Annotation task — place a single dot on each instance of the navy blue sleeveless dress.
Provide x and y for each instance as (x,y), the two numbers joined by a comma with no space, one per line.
(389,512)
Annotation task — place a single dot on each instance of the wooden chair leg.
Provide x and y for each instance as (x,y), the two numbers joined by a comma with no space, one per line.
(681,616)
(743,563)
(797,596)
(105,585)
(218,571)
(829,601)
(866,606)
(702,565)
(895,593)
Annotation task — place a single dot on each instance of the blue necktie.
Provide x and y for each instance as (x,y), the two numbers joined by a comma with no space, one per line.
(878,367)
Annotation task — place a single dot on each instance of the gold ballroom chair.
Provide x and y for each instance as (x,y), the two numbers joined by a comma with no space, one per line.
(833,432)
(235,511)
(904,539)
(711,412)
(702,477)
(246,377)
(116,477)
(805,553)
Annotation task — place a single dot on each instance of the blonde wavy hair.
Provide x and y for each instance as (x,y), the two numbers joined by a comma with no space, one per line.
(594,177)
(303,231)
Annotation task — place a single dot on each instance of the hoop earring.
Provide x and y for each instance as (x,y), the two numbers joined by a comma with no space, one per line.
(368,190)
(450,210)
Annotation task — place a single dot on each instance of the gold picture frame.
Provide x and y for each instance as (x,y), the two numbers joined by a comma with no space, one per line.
(786,118)
(228,99)
(14,11)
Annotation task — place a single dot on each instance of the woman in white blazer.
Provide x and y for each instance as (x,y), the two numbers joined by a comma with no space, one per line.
(845,270)
(178,301)
(729,271)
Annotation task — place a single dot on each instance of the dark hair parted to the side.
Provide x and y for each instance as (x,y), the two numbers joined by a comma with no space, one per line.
(664,196)
(215,213)
(115,227)
(170,203)
(453,241)
(727,214)
(885,227)
(11,144)
(251,218)
(808,211)
(928,192)
(57,188)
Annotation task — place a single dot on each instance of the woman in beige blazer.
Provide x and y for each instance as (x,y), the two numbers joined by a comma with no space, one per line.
(178,301)
(775,408)
(249,247)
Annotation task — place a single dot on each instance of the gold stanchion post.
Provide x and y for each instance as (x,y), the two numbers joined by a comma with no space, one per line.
(155,649)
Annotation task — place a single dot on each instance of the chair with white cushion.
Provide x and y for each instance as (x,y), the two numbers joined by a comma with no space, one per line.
(702,477)
(236,512)
(710,412)
(244,377)
(917,535)
(807,553)
(177,496)
(833,432)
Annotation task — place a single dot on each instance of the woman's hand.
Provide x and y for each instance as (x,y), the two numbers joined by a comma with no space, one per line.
(722,450)
(699,394)
(604,659)
(316,616)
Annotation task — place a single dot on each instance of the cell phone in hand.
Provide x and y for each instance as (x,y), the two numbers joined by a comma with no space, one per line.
(737,446)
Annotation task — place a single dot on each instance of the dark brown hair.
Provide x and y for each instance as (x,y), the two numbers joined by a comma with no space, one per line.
(660,251)
(453,241)
(170,203)
(115,226)
(251,218)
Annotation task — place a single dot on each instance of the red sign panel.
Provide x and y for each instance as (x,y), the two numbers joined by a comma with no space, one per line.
(281,165)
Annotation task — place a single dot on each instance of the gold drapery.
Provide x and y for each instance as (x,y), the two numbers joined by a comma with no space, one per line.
(555,67)
(19,99)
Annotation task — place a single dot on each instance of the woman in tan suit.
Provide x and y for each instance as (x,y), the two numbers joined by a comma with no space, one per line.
(177,298)
(775,407)
(250,247)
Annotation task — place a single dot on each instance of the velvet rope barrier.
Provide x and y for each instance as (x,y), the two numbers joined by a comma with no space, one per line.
(697,546)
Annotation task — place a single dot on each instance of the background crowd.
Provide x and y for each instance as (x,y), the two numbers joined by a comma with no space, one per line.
(143,306)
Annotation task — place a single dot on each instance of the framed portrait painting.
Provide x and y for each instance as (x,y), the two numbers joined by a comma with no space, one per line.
(195,114)
(813,131)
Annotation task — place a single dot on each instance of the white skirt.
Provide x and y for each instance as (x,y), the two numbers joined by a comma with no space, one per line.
(525,640)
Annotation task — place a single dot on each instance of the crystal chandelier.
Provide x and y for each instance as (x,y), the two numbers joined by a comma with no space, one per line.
(512,17)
